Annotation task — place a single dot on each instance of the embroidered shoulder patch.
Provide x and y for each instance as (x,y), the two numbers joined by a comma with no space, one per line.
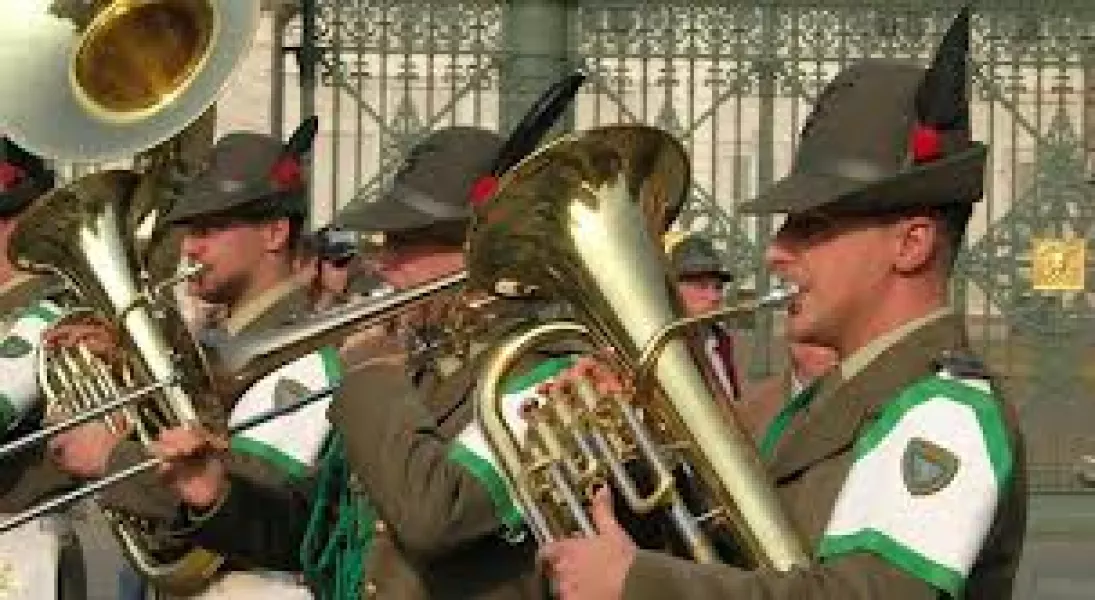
(14,346)
(288,391)
(926,467)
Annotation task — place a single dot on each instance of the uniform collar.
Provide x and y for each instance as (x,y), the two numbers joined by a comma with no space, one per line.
(842,404)
(278,302)
(865,355)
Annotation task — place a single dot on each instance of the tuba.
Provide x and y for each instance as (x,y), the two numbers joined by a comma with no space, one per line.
(573,221)
(102,81)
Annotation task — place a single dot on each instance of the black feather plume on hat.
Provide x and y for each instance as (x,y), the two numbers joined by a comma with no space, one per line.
(537,121)
(941,100)
(287,173)
(300,143)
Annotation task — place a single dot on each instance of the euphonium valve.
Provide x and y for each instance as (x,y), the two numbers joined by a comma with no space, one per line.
(577,222)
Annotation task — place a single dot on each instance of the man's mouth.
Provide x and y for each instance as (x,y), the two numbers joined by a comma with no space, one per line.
(794,304)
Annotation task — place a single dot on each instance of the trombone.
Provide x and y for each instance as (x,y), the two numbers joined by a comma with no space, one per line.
(64,500)
(245,360)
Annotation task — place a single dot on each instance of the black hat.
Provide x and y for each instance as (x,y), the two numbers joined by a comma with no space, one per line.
(23,177)
(886,136)
(433,185)
(693,255)
(250,176)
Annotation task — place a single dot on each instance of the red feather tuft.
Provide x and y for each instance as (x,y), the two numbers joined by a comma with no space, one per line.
(482,190)
(10,175)
(286,173)
(926,144)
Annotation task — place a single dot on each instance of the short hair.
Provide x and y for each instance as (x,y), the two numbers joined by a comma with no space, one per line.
(953,220)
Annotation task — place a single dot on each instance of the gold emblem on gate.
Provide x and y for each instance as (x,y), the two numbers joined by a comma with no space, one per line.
(1058,264)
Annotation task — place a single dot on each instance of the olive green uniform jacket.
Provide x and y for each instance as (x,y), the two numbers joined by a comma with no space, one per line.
(31,477)
(26,478)
(145,495)
(439,530)
(810,463)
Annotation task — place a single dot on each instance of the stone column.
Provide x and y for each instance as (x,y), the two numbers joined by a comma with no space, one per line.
(536,47)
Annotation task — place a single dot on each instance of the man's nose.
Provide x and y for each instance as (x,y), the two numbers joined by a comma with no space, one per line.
(191,246)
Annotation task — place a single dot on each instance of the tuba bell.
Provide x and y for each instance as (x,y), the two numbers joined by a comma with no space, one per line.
(98,81)
(103,80)
(574,221)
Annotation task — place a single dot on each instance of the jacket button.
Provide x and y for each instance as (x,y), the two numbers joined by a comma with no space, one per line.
(380,526)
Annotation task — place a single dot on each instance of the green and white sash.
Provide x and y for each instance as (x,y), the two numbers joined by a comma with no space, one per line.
(924,487)
(19,392)
(471,450)
(294,441)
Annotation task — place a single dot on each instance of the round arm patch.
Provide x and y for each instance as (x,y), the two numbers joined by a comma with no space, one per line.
(923,489)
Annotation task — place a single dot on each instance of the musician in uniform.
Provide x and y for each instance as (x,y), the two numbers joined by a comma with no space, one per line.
(904,468)
(43,558)
(242,219)
(406,504)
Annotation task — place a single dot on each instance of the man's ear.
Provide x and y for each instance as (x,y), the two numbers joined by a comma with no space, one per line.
(917,244)
(275,235)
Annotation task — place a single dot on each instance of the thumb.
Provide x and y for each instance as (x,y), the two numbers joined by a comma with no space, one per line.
(604,519)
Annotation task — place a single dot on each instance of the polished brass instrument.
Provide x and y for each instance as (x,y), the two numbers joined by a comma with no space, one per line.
(103,80)
(97,81)
(574,221)
(78,232)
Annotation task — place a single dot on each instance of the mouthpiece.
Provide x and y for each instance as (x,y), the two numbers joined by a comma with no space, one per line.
(189,269)
(779,295)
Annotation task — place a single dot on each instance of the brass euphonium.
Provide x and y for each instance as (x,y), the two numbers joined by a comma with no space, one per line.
(100,81)
(574,221)
(79,233)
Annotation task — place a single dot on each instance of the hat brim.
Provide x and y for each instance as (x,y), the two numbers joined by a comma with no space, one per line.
(955,179)
(722,276)
(207,204)
(385,214)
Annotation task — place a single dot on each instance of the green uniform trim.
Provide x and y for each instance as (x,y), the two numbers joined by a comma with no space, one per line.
(484,472)
(997,444)
(8,415)
(541,372)
(783,419)
(295,469)
(984,408)
(896,554)
(504,508)
(332,363)
(289,465)
(40,310)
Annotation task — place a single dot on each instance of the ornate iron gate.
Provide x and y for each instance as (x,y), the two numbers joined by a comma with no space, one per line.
(733,80)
